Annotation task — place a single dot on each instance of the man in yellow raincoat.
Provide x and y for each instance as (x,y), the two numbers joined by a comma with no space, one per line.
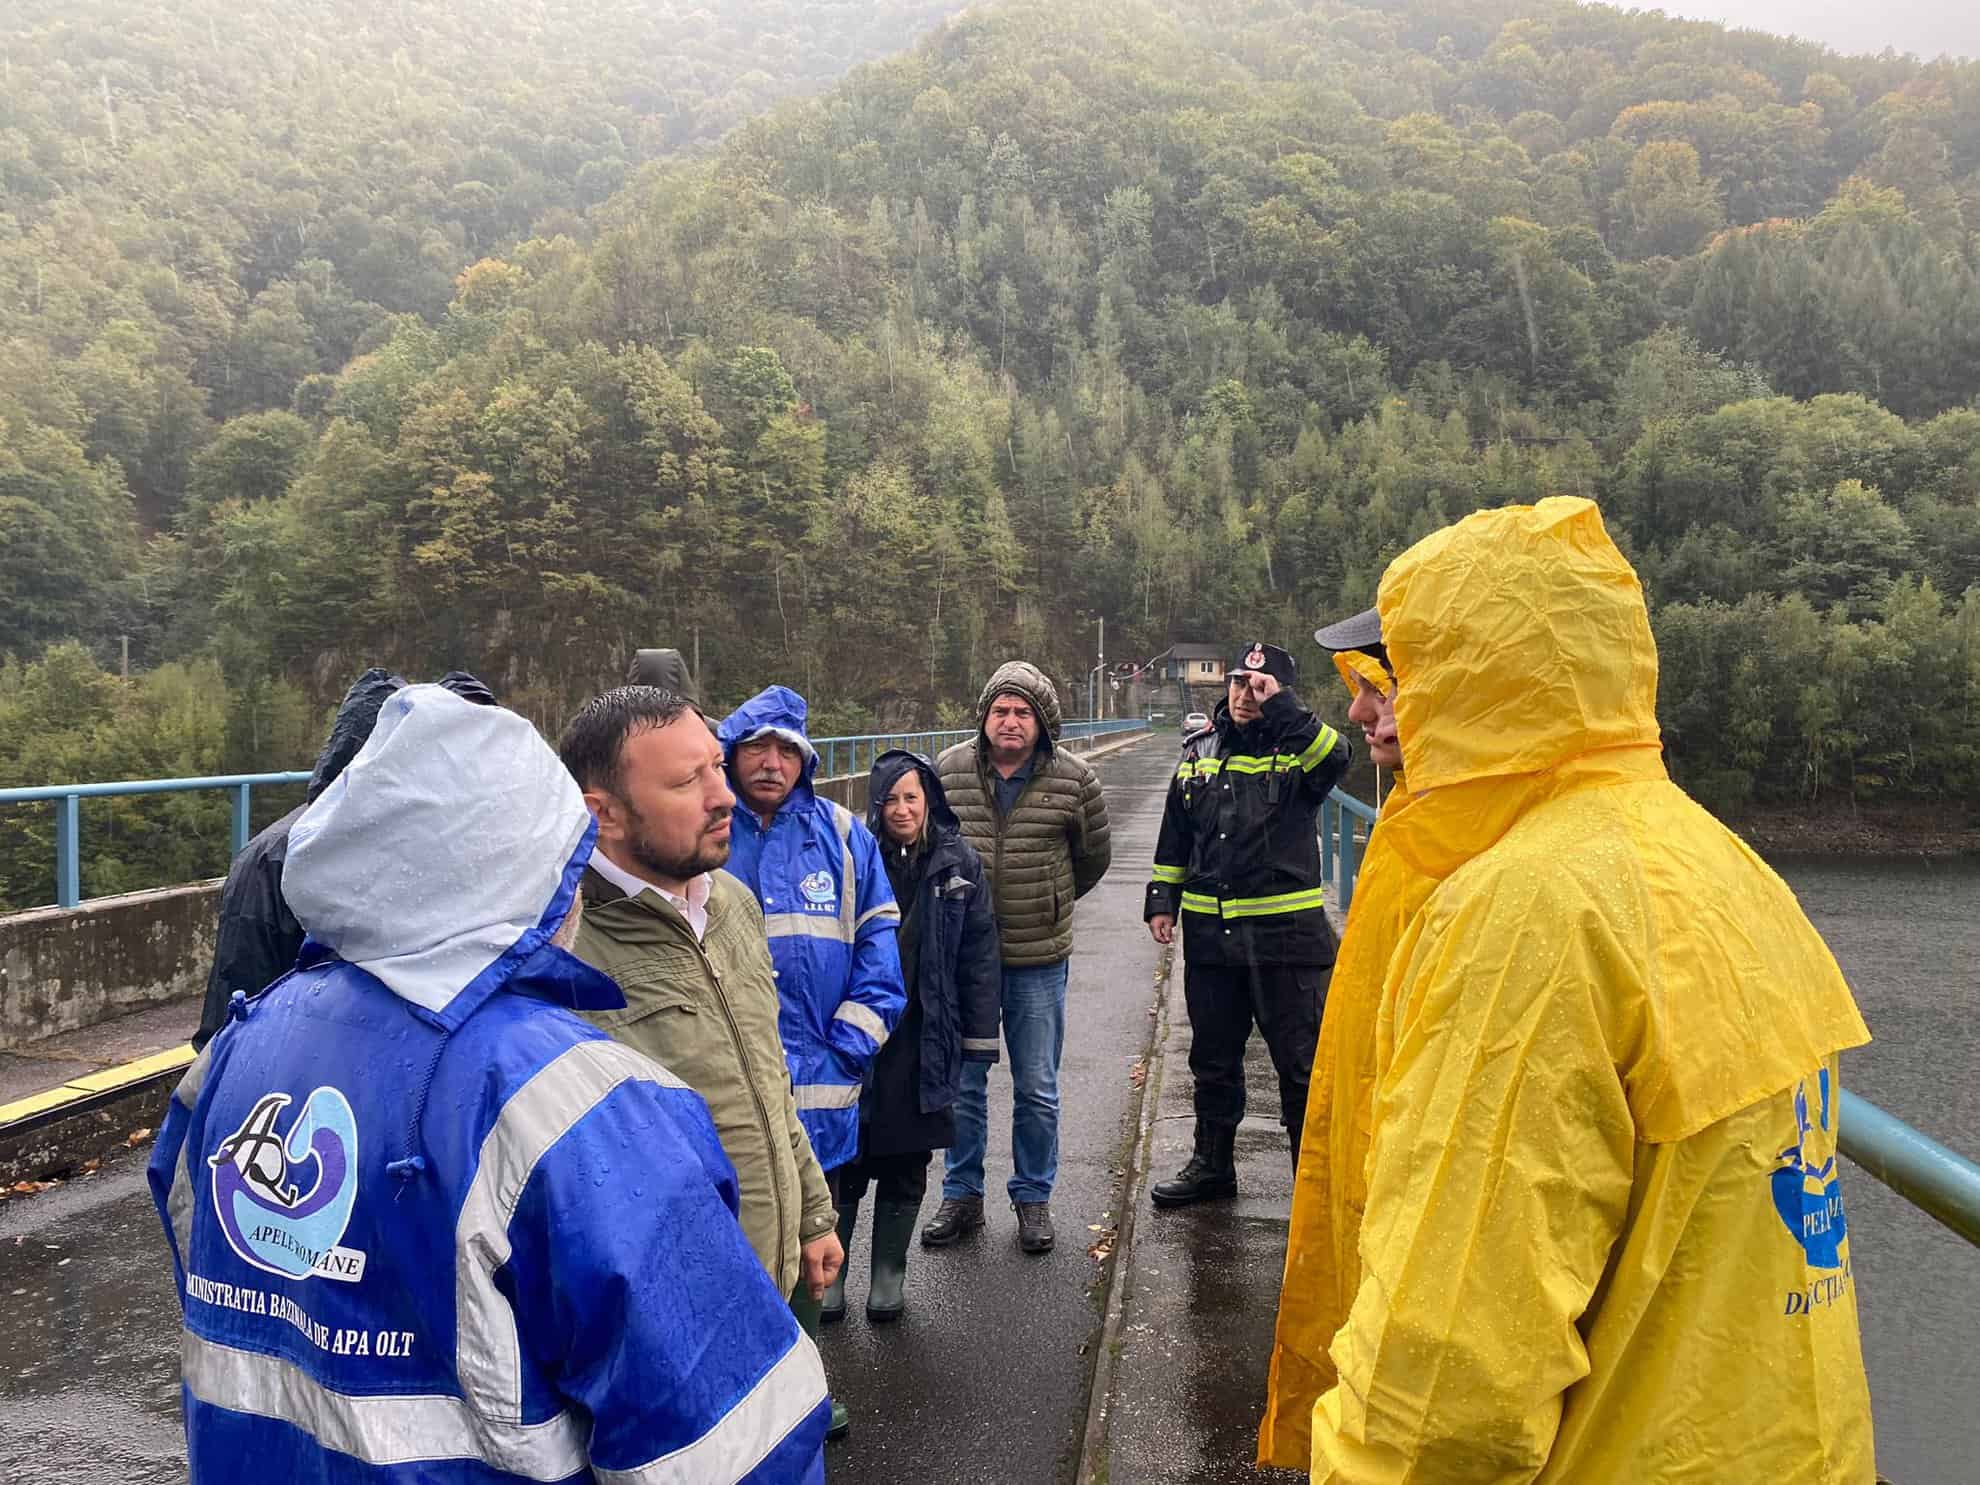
(1605,1237)
(1323,1269)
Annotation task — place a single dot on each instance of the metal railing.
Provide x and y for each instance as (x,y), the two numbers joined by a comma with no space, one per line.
(68,800)
(836,756)
(1941,1183)
(839,756)
(1340,846)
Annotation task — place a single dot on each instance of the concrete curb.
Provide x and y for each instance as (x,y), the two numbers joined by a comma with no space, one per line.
(51,1133)
(1092,1468)
(1114,747)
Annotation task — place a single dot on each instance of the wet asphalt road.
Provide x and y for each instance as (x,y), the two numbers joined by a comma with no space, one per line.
(1201,1293)
(984,1379)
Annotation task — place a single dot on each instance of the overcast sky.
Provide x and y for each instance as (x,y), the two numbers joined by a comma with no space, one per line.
(1927,27)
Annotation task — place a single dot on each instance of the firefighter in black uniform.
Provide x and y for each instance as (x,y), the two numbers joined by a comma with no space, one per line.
(1239,862)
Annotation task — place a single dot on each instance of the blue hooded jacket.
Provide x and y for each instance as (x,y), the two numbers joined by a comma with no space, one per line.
(427,1224)
(831,919)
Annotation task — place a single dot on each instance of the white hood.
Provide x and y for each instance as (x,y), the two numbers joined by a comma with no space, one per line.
(453,833)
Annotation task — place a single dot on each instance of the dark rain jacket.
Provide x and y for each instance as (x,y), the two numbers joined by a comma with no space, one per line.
(258,937)
(952,969)
(1055,844)
(1238,859)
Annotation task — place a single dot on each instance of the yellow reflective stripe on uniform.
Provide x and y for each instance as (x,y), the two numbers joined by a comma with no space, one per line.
(1175,876)
(1321,746)
(1255,907)
(1265,907)
(1262,763)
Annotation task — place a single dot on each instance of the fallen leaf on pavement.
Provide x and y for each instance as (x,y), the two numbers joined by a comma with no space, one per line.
(138,1137)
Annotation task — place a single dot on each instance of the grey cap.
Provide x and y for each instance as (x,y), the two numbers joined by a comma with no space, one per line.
(1362,632)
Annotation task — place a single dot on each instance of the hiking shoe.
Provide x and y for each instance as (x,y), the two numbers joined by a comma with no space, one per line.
(1034,1226)
(956,1216)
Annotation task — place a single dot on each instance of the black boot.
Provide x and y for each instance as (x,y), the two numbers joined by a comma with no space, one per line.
(834,1307)
(893,1226)
(1210,1174)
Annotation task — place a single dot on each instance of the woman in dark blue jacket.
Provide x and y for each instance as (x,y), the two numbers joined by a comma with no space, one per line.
(952,970)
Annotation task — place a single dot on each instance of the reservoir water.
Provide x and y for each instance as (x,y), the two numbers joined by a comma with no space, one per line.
(1907,934)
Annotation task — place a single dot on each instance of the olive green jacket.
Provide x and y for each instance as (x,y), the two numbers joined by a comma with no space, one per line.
(707,1012)
(1053,847)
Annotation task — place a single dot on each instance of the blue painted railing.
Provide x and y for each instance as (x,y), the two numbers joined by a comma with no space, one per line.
(68,800)
(1340,850)
(837,755)
(1941,1183)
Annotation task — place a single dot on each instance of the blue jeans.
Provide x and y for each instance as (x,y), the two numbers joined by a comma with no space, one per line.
(1034,1035)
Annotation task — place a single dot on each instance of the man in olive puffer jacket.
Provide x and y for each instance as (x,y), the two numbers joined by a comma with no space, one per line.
(1038,818)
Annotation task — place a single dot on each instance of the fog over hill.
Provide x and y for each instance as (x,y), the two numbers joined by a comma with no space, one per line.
(1927,28)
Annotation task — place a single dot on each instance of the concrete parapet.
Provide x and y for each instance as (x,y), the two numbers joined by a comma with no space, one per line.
(62,969)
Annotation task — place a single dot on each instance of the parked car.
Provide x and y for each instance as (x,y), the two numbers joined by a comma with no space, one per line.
(1194,722)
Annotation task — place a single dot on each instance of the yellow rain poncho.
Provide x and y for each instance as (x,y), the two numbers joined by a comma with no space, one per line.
(1604,1239)
(1331,1189)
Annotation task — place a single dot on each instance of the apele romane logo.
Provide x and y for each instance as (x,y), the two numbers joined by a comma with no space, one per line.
(270,1218)
(1807,1185)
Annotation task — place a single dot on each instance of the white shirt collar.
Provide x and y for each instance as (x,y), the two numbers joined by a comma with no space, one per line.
(693,906)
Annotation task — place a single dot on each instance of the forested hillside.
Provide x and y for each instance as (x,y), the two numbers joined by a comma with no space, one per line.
(209,203)
(1185,315)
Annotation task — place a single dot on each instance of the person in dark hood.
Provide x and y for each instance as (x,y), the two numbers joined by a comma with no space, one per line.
(259,937)
(467,687)
(953,972)
(666,669)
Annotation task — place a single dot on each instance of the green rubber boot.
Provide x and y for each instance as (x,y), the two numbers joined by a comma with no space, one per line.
(893,1229)
(806,1309)
(835,1296)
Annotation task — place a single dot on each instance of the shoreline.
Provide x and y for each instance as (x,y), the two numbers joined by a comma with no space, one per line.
(1944,832)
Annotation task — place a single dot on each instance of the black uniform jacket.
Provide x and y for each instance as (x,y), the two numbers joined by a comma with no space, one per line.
(1238,861)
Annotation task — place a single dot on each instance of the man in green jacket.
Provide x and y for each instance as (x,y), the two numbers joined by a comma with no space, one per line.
(1038,818)
(686,944)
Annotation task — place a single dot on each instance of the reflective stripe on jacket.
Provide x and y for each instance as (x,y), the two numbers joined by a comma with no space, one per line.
(831,919)
(1238,858)
(428,1226)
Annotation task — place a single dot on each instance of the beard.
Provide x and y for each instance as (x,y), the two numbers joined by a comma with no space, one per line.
(671,865)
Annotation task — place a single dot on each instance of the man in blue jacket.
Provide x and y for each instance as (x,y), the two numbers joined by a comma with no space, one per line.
(829,913)
(427,1224)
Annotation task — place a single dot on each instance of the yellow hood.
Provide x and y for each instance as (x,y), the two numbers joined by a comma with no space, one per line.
(1603,1237)
(1520,640)
(1352,663)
